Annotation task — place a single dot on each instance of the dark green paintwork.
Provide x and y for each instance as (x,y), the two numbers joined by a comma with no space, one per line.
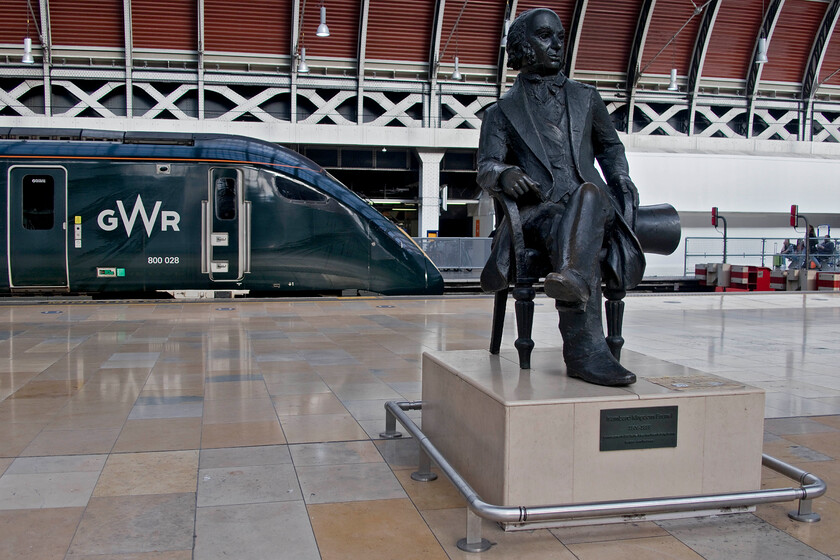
(308,233)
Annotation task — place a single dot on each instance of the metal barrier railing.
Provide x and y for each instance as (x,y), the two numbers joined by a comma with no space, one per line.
(465,256)
(456,253)
(748,251)
(811,486)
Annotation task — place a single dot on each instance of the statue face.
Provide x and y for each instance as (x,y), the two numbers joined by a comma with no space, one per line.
(546,37)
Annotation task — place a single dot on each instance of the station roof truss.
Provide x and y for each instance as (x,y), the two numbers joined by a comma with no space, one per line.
(389,63)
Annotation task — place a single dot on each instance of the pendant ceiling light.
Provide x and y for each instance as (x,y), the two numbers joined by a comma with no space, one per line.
(27,41)
(456,74)
(672,86)
(302,67)
(27,52)
(761,55)
(323,30)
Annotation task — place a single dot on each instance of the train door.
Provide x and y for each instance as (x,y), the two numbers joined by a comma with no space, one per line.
(226,227)
(37,227)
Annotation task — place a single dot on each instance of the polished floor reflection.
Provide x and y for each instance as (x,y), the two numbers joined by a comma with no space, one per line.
(249,429)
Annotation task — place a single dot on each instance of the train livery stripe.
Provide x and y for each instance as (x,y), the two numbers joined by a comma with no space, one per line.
(190,160)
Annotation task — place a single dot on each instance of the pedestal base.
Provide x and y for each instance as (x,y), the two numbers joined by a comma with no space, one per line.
(537,437)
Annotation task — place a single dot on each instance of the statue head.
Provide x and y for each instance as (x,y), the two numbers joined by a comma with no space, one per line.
(536,42)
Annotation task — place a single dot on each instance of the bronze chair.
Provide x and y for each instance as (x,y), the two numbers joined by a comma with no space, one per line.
(658,230)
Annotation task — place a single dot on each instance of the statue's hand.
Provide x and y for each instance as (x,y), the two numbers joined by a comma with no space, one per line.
(628,190)
(516,182)
(628,198)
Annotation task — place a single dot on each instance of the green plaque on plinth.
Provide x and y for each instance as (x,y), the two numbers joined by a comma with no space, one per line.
(638,428)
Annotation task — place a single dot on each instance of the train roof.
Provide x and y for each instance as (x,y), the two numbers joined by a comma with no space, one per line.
(89,144)
(86,143)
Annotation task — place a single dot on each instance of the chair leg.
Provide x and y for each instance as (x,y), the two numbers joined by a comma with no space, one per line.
(499,303)
(524,294)
(614,307)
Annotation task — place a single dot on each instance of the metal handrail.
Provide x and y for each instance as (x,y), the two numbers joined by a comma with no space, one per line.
(812,487)
(761,249)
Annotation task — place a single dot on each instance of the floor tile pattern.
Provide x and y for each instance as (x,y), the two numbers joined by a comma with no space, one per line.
(250,429)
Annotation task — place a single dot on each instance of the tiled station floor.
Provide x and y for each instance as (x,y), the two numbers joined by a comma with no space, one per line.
(249,429)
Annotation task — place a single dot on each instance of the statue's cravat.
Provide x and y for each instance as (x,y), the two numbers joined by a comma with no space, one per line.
(544,88)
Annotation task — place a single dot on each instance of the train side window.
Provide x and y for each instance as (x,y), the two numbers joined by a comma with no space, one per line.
(296,191)
(225,198)
(38,202)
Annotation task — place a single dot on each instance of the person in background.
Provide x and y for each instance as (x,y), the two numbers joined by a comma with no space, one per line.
(787,251)
(812,240)
(824,252)
(798,258)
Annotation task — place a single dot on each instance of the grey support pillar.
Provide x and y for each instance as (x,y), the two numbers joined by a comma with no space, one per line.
(129,58)
(429,218)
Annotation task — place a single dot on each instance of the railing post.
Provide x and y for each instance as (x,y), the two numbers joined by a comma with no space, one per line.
(763,249)
(473,541)
(804,513)
(390,426)
(424,469)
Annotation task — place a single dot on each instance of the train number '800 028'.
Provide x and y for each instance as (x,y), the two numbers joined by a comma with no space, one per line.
(164,260)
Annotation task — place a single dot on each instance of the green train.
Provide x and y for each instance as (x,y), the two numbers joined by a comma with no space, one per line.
(95,212)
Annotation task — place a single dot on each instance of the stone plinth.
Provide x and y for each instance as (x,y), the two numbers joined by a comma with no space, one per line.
(533,437)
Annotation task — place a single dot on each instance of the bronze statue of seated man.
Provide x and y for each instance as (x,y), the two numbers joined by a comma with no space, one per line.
(538,146)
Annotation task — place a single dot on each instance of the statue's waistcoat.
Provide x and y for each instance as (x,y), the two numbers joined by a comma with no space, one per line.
(556,147)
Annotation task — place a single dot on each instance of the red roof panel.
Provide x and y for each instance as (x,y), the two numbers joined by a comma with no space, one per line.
(669,16)
(343,21)
(607,35)
(164,24)
(13,18)
(256,26)
(733,39)
(388,38)
(831,61)
(87,23)
(792,40)
(476,39)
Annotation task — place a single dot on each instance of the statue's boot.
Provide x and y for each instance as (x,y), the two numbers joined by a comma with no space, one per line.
(585,349)
(567,288)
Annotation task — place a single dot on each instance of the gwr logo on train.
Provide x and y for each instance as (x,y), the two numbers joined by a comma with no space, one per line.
(108,220)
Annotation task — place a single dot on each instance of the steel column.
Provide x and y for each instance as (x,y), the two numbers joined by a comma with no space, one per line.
(573,35)
(362,53)
(769,19)
(811,79)
(634,62)
(698,59)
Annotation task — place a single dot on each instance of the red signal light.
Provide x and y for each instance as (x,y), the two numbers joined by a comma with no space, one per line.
(794,214)
(714,215)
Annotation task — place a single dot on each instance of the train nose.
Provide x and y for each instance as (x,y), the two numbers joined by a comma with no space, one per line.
(434,280)
(398,266)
